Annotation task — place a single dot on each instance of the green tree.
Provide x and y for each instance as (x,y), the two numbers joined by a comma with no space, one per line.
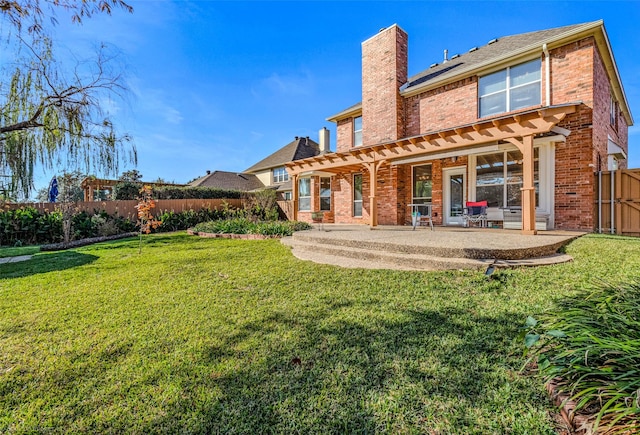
(51,114)
(132,175)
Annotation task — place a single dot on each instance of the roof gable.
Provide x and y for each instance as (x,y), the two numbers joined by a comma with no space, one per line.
(300,148)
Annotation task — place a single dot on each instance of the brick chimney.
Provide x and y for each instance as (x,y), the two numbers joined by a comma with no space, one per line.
(384,70)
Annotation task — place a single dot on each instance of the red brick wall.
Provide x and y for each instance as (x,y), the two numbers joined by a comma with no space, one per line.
(384,70)
(344,135)
(444,107)
(343,198)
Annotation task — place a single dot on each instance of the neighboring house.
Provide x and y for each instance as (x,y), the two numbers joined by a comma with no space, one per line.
(228,181)
(522,122)
(270,172)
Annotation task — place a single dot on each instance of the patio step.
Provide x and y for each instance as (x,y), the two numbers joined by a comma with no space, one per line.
(352,257)
(384,255)
(444,249)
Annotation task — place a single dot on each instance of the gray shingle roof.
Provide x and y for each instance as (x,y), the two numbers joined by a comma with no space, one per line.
(483,55)
(229,180)
(487,53)
(300,148)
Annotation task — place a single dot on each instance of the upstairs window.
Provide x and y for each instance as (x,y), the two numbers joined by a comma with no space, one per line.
(613,112)
(357,131)
(280,175)
(510,89)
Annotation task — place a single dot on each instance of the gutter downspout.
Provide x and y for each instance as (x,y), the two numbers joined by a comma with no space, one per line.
(547,73)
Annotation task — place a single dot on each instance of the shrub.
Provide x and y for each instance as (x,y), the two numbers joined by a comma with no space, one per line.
(126,190)
(247,226)
(591,344)
(172,221)
(28,226)
(175,192)
(262,205)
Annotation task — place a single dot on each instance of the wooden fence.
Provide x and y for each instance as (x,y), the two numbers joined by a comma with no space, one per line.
(127,208)
(617,202)
(286,210)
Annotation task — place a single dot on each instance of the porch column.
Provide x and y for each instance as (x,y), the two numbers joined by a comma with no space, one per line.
(294,196)
(373,187)
(528,189)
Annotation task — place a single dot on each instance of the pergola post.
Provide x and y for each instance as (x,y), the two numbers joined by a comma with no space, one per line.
(294,188)
(373,187)
(528,188)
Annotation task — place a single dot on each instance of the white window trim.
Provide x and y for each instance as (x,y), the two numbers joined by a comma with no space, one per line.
(310,194)
(353,196)
(281,177)
(357,131)
(508,88)
(546,178)
(320,193)
(413,184)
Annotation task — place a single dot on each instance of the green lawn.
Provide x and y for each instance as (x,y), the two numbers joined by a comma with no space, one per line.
(231,336)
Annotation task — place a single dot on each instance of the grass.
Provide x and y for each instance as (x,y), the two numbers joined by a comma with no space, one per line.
(226,336)
(18,251)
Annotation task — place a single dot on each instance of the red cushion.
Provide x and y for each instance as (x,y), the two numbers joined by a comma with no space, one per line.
(476,203)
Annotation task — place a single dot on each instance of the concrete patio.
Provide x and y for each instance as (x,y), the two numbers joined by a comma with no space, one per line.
(401,247)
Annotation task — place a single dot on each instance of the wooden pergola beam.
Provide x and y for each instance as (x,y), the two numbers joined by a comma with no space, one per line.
(519,125)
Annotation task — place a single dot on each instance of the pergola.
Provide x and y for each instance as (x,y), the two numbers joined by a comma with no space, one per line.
(518,129)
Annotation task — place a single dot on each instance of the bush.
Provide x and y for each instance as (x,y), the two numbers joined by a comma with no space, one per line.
(175,192)
(29,226)
(246,226)
(592,345)
(126,190)
(172,221)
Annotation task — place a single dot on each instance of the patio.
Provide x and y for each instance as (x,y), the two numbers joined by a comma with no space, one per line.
(400,247)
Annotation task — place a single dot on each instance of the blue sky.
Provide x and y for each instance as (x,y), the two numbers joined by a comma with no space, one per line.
(221,85)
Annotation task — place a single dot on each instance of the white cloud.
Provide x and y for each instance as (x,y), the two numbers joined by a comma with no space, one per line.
(301,84)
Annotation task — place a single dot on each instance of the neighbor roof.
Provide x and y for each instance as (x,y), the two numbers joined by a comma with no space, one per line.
(229,181)
(300,148)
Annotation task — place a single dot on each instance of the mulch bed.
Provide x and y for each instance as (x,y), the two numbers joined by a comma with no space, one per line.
(84,242)
(579,423)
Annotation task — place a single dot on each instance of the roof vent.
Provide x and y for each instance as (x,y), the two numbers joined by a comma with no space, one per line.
(433,65)
(382,29)
(455,56)
(493,41)
(446,56)
(295,137)
(208,172)
(473,49)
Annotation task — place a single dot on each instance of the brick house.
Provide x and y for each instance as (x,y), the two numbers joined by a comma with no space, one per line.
(521,122)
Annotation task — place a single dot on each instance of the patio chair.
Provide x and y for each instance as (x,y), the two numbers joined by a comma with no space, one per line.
(475,213)
(318,218)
